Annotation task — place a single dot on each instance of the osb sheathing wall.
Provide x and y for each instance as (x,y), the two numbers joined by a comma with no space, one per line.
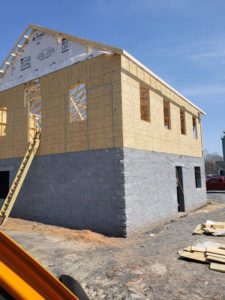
(109,124)
(152,135)
(103,127)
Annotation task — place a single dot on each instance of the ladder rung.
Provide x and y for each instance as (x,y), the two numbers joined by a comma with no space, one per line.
(15,182)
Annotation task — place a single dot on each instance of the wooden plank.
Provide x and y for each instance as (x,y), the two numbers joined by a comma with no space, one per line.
(217,267)
(215,250)
(215,255)
(198,229)
(216,258)
(198,256)
(198,249)
(195,249)
(217,225)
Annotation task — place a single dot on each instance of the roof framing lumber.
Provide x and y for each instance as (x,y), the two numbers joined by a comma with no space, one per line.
(16,50)
(77,39)
(31,28)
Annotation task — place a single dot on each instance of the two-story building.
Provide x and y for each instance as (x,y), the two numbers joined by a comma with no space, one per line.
(120,148)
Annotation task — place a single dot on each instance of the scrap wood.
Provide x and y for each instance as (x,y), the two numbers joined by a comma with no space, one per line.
(215,250)
(215,255)
(219,233)
(215,258)
(217,267)
(198,256)
(206,253)
(198,229)
(210,227)
(195,249)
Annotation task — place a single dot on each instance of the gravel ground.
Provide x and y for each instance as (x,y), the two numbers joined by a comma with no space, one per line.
(143,266)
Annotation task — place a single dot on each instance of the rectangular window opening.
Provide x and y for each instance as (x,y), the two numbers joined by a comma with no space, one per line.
(78,103)
(32,98)
(3,120)
(144,103)
(166,110)
(194,127)
(198,181)
(182,121)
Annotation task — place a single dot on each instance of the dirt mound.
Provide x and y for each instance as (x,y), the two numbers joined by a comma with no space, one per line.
(14,224)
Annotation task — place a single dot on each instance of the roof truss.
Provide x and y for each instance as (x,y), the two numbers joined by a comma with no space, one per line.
(24,38)
(16,50)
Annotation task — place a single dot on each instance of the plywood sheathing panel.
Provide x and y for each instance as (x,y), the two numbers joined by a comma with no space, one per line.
(101,130)
(113,107)
(153,136)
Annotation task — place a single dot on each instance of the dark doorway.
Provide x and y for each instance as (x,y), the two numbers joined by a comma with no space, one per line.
(222,173)
(4,184)
(180,189)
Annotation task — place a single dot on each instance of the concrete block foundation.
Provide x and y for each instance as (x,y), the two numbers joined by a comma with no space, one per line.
(150,186)
(113,192)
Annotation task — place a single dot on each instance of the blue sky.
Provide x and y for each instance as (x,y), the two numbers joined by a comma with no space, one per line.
(182,41)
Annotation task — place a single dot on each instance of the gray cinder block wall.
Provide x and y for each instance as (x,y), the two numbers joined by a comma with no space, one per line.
(81,190)
(113,192)
(150,186)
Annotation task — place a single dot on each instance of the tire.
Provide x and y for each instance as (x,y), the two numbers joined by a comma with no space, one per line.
(73,286)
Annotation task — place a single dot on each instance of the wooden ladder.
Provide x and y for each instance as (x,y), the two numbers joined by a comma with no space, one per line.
(19,179)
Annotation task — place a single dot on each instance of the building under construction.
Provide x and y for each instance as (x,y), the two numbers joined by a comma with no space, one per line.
(118,149)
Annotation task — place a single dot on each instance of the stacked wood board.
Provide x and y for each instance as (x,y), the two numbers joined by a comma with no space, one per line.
(211,228)
(214,255)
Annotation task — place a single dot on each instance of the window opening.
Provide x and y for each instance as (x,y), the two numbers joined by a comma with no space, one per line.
(182,121)
(144,103)
(78,103)
(3,120)
(198,182)
(166,109)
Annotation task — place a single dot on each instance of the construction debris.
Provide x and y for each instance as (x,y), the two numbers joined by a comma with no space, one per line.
(212,254)
(217,267)
(211,228)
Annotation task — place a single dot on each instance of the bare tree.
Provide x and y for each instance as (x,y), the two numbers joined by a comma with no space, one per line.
(210,162)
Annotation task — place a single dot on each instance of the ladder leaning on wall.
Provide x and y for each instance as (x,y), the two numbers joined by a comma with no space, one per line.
(19,179)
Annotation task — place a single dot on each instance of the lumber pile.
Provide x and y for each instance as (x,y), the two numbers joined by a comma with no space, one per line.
(214,255)
(211,228)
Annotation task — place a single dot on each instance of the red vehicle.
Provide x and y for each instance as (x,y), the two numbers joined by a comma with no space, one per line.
(215,183)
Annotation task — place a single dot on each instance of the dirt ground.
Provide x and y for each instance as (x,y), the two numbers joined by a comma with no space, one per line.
(143,266)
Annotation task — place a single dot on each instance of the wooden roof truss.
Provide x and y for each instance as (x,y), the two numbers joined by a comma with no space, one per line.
(16,50)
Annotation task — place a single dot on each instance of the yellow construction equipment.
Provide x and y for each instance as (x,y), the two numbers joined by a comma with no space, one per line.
(19,179)
(22,277)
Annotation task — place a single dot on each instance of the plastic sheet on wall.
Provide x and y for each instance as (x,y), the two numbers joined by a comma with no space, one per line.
(43,54)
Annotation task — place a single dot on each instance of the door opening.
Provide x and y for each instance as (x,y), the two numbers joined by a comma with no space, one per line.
(33,102)
(180,189)
(4,184)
